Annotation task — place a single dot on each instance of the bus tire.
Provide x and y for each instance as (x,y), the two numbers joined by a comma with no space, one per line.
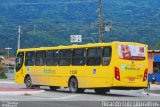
(28,82)
(73,85)
(53,88)
(101,90)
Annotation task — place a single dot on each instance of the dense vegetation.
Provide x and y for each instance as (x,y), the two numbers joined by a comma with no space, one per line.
(51,22)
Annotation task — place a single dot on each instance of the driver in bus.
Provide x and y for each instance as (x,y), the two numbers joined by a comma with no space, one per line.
(126,52)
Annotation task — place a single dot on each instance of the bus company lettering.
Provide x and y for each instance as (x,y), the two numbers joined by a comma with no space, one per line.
(129,67)
(48,71)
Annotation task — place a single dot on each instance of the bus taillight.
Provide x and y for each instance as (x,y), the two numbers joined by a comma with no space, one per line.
(145,75)
(117,73)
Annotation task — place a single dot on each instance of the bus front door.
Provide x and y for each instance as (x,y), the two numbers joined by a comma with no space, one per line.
(19,77)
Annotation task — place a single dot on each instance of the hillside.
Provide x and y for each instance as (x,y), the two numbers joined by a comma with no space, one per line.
(51,22)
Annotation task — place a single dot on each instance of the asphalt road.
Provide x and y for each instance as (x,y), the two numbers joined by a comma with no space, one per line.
(63,98)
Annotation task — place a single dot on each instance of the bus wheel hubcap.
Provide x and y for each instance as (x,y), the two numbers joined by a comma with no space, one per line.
(73,85)
(28,82)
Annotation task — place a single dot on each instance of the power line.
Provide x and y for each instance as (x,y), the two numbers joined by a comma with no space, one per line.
(77,2)
(123,25)
(133,5)
(50,3)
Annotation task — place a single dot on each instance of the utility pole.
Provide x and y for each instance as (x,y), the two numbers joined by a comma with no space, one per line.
(100,21)
(34,27)
(19,37)
(8,48)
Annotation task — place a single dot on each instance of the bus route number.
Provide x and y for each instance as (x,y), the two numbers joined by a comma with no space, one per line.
(73,71)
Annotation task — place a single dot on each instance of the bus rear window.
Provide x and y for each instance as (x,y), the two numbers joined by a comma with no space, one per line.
(131,52)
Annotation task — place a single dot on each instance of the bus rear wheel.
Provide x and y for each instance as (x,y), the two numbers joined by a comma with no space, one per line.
(28,82)
(101,90)
(73,85)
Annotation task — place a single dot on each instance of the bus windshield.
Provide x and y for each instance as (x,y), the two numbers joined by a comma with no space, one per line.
(131,52)
(19,61)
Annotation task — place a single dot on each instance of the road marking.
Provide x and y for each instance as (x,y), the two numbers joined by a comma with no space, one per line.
(66,97)
(40,98)
(20,92)
(7,82)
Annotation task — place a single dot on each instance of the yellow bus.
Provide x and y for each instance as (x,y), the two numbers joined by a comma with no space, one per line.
(98,66)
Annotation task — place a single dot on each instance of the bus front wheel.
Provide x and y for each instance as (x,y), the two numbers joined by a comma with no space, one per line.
(28,82)
(73,85)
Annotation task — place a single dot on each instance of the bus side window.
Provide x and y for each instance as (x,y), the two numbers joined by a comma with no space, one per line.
(65,57)
(106,56)
(30,58)
(94,56)
(40,58)
(52,58)
(78,57)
